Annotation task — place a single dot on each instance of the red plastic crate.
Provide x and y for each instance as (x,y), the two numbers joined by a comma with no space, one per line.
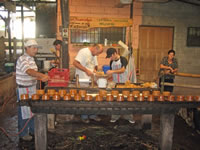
(58,77)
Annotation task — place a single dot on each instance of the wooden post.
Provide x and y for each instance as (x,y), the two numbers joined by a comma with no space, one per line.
(146,121)
(166,129)
(40,131)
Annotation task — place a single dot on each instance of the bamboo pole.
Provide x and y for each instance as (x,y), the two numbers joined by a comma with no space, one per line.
(181,85)
(187,75)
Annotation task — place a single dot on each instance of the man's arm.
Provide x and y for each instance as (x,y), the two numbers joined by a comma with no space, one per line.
(81,67)
(38,75)
(118,71)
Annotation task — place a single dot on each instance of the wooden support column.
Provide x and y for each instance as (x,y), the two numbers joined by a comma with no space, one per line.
(40,131)
(166,131)
(146,121)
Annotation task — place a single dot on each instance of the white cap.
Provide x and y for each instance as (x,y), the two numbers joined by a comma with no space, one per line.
(31,43)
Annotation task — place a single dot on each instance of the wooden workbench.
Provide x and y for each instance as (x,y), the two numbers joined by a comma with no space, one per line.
(166,110)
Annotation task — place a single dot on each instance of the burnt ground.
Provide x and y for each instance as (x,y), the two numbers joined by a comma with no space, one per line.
(101,135)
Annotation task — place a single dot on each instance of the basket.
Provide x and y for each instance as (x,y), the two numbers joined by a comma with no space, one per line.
(58,77)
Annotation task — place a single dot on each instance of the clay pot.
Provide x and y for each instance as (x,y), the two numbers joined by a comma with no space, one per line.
(145,93)
(103,93)
(130,98)
(62,93)
(40,92)
(35,97)
(73,92)
(51,92)
(166,93)
(171,98)
(140,98)
(156,93)
(67,97)
(24,97)
(150,98)
(99,98)
(189,98)
(120,98)
(82,93)
(114,93)
(125,93)
(180,98)
(136,93)
(197,98)
(88,98)
(45,97)
(77,97)
(161,98)
(109,98)
(56,97)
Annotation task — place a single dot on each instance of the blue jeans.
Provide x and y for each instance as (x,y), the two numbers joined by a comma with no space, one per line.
(84,117)
(21,122)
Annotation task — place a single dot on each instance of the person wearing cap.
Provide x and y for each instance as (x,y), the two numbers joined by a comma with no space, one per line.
(57,44)
(119,73)
(86,65)
(26,78)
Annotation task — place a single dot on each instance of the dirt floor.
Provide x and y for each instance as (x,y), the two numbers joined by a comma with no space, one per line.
(101,135)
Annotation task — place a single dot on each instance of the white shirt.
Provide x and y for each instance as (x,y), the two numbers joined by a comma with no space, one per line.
(87,60)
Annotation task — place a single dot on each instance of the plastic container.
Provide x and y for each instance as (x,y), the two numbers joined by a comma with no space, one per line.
(58,77)
(105,68)
(9,67)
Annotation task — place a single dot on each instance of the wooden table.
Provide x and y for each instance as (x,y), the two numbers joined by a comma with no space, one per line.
(166,110)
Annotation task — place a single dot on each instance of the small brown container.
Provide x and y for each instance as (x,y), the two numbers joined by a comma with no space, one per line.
(150,98)
(120,98)
(171,98)
(103,93)
(40,92)
(77,97)
(67,97)
(166,94)
(161,98)
(88,98)
(35,97)
(125,93)
(109,98)
(114,93)
(73,92)
(140,98)
(99,98)
(197,98)
(45,97)
(145,93)
(82,93)
(180,98)
(156,93)
(131,98)
(24,97)
(56,97)
(136,93)
(189,98)
(62,93)
(51,92)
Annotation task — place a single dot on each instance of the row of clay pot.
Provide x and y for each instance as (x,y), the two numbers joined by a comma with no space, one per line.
(78,97)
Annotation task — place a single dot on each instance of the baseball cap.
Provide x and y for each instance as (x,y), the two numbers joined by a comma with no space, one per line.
(110,51)
(31,43)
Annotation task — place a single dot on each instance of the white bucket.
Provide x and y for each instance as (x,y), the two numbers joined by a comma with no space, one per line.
(102,83)
(47,65)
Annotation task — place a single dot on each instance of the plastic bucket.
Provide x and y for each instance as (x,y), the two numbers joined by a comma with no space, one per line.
(105,68)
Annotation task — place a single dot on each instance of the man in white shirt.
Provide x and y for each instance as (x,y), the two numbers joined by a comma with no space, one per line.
(86,65)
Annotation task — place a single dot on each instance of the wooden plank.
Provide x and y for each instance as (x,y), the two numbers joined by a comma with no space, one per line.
(51,121)
(146,121)
(166,131)
(40,131)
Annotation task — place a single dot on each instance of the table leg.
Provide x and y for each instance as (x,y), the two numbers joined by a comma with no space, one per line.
(166,129)
(40,131)
(146,121)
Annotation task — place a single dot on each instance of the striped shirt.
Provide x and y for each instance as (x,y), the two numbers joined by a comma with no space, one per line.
(24,63)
